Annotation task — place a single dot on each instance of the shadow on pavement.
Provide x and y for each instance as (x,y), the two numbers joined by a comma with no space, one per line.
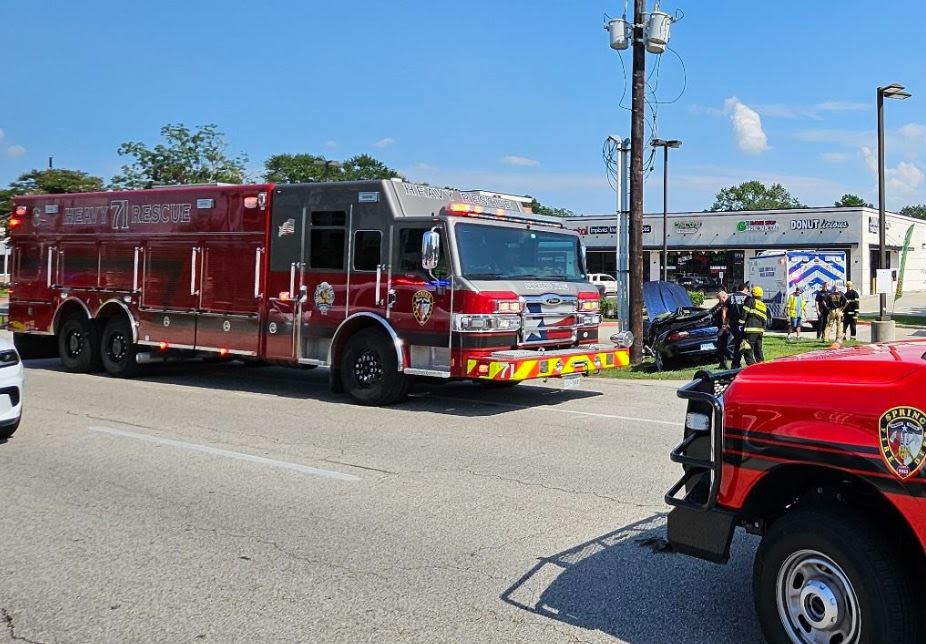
(625,589)
(453,399)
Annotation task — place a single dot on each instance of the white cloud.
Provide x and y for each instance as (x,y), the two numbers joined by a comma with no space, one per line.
(331,145)
(384,143)
(835,157)
(904,178)
(2,134)
(913,130)
(513,159)
(747,126)
(843,106)
(15,151)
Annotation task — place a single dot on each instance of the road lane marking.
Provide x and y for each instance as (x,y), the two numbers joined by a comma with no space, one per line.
(215,451)
(542,408)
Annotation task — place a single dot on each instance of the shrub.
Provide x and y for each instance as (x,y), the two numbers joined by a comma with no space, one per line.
(697,297)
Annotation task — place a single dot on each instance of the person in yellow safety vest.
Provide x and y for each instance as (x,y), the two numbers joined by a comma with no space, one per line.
(850,316)
(795,309)
(755,317)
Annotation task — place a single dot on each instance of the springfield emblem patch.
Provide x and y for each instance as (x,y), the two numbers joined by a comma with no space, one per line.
(902,442)
(324,297)
(422,306)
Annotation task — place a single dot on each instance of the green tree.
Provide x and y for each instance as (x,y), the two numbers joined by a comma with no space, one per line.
(303,168)
(915,210)
(297,168)
(540,209)
(755,195)
(363,166)
(186,156)
(44,182)
(852,201)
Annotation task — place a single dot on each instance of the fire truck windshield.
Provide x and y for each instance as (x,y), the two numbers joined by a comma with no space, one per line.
(495,252)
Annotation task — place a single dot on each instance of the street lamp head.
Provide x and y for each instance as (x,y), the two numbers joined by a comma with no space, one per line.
(663,143)
(894,90)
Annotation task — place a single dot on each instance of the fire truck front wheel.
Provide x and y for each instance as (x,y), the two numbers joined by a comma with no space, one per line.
(79,345)
(117,350)
(822,574)
(370,370)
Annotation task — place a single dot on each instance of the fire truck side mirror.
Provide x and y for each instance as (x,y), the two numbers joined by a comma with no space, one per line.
(303,294)
(430,249)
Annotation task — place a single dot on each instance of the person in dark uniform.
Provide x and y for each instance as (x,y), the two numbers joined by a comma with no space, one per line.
(850,317)
(822,310)
(734,316)
(720,313)
(755,318)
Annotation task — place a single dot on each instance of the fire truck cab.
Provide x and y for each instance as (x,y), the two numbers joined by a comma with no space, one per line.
(382,281)
(822,456)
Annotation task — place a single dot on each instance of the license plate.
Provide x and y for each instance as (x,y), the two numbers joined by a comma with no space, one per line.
(571,382)
(708,346)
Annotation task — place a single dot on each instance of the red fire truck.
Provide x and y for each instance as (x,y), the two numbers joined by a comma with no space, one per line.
(382,281)
(822,455)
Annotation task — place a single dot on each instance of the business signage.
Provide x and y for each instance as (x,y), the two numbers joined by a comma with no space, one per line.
(688,226)
(873,225)
(757,226)
(819,224)
(606,230)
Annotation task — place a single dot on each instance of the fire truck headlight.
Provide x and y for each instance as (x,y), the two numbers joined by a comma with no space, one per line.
(486,323)
(589,306)
(8,358)
(622,338)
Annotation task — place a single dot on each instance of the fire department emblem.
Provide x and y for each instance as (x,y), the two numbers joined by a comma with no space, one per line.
(324,297)
(902,442)
(422,306)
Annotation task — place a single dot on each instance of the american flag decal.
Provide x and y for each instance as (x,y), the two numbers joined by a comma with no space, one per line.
(287,228)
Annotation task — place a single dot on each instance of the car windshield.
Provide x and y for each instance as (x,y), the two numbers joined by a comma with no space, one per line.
(494,252)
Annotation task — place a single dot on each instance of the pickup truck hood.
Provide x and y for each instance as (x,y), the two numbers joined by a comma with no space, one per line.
(873,364)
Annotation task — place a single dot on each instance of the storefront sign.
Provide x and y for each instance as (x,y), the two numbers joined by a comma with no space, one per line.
(819,224)
(688,226)
(873,225)
(757,226)
(606,230)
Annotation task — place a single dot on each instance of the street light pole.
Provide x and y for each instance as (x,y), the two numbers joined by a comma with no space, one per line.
(665,145)
(894,90)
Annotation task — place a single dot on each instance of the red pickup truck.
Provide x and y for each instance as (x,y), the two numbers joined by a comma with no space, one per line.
(822,455)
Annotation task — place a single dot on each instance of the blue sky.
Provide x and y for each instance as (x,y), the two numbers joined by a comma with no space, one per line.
(513,96)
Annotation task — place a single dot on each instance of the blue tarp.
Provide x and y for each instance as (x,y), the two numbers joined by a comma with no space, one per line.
(664,297)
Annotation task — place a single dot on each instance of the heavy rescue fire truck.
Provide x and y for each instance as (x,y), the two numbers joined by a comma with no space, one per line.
(822,455)
(381,281)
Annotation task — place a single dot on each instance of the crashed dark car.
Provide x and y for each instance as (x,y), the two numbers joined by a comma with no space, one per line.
(676,329)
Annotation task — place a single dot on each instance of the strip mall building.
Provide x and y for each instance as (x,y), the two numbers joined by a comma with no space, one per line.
(714,246)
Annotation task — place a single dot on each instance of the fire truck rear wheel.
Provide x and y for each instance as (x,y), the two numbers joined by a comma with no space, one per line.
(822,574)
(370,370)
(118,351)
(79,345)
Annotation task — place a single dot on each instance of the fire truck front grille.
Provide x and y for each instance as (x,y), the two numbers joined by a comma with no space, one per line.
(549,320)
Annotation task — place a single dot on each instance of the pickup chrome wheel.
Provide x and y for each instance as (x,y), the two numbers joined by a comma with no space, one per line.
(816,600)
(369,369)
(829,574)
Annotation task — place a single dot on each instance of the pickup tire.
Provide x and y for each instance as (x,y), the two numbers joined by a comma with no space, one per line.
(79,345)
(370,370)
(9,430)
(823,574)
(117,350)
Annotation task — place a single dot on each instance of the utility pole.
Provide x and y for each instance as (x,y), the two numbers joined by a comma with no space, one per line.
(636,183)
(51,163)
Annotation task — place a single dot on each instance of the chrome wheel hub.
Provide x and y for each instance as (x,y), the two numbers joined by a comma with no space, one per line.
(368,370)
(816,600)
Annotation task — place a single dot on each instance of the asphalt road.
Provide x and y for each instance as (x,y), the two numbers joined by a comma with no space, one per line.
(224,503)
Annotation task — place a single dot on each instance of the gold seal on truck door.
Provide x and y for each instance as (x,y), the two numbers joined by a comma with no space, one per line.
(902,445)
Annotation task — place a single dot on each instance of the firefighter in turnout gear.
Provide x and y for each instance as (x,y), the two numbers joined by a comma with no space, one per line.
(836,304)
(755,317)
(850,315)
